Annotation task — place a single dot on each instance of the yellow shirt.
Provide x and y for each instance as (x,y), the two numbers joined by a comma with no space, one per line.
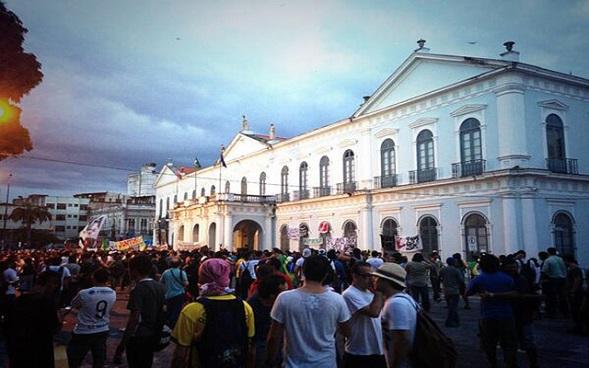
(192,320)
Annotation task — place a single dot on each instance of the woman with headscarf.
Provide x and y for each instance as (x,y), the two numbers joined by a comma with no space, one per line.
(217,329)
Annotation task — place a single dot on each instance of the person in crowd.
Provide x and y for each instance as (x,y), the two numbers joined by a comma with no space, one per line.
(434,275)
(398,316)
(298,269)
(554,272)
(308,317)
(31,324)
(91,330)
(496,324)
(10,280)
(338,282)
(364,346)
(217,329)
(247,273)
(375,260)
(453,281)
(417,280)
(175,281)
(146,303)
(27,275)
(575,293)
(462,267)
(268,289)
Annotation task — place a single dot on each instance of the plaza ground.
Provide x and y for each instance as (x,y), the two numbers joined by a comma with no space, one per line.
(557,347)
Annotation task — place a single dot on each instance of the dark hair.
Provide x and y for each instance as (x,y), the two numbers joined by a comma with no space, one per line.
(374,253)
(417,257)
(47,277)
(269,285)
(141,264)
(521,251)
(101,275)
(264,270)
(451,261)
(542,255)
(356,266)
(489,263)
(316,268)
(551,251)
(457,256)
(274,262)
(331,254)
(569,258)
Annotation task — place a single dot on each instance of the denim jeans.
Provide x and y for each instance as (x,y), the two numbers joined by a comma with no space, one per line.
(500,331)
(173,308)
(421,296)
(79,346)
(452,320)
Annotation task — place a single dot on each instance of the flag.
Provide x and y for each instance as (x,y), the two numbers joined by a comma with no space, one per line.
(196,163)
(221,158)
(90,232)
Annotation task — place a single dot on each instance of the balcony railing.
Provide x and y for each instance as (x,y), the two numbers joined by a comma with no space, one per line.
(283,197)
(348,187)
(387,181)
(246,198)
(468,168)
(563,165)
(422,176)
(321,192)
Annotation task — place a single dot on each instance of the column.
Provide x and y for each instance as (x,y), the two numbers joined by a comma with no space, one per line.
(228,231)
(510,228)
(530,232)
(268,242)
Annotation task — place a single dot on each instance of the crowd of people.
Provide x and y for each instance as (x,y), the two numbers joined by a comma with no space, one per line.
(313,308)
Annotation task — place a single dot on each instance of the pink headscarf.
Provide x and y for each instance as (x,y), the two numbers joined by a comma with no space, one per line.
(213,276)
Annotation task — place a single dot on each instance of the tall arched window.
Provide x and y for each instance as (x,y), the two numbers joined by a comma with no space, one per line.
(175,198)
(284,183)
(263,183)
(389,228)
(161,207)
(284,241)
(244,186)
(387,164)
(425,156)
(194,194)
(324,188)
(428,233)
(470,148)
(185,196)
(564,239)
(181,233)
(203,192)
(227,186)
(195,233)
(348,167)
(303,234)
(477,237)
(303,190)
(213,189)
(555,144)
(351,232)
(167,206)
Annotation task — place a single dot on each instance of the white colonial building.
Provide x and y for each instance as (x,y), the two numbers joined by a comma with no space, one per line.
(471,154)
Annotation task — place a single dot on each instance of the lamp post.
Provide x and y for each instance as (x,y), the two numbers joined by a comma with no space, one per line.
(6,208)
(197,166)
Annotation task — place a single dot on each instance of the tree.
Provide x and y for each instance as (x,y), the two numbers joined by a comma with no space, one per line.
(29,214)
(19,73)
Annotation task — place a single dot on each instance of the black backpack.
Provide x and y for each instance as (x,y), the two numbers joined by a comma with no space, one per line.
(224,340)
(431,347)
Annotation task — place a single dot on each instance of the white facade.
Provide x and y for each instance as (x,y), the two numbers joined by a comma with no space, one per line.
(140,184)
(514,176)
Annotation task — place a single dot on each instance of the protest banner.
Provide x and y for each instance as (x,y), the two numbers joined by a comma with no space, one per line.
(130,244)
(90,232)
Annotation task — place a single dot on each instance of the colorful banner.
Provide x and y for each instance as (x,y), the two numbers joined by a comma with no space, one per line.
(136,243)
(89,234)
(408,244)
(293,233)
(342,244)
(312,241)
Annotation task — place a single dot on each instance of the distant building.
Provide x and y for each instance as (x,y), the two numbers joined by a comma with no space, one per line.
(129,218)
(140,184)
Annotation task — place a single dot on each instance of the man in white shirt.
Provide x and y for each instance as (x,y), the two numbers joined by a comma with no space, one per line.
(375,261)
(364,346)
(398,316)
(91,331)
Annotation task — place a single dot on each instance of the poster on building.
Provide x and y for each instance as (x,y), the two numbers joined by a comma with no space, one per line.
(293,233)
(89,233)
(312,242)
(343,245)
(408,244)
(135,243)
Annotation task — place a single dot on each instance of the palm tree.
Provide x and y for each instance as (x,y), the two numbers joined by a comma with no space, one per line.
(29,214)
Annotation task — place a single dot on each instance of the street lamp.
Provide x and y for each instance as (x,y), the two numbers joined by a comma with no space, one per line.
(197,166)
(6,208)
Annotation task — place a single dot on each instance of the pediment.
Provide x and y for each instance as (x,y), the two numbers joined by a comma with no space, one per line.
(165,176)
(553,104)
(468,109)
(242,145)
(422,121)
(386,132)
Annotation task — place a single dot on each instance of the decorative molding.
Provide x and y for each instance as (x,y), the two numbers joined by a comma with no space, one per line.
(321,150)
(553,104)
(422,121)
(422,207)
(479,203)
(468,109)
(347,143)
(386,132)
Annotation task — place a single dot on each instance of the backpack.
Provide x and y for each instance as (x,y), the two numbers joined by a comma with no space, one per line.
(431,347)
(245,280)
(224,340)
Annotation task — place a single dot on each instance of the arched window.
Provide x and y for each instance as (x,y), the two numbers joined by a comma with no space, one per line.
(167,205)
(203,192)
(244,186)
(181,233)
(227,186)
(185,196)
(471,148)
(555,144)
(161,207)
(428,233)
(387,164)
(348,167)
(477,239)
(564,237)
(175,198)
(324,188)
(389,228)
(263,183)
(195,233)
(284,183)
(425,156)
(284,241)
(194,194)
(213,189)
(351,232)
(303,190)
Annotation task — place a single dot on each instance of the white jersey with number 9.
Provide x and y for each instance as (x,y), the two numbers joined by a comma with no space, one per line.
(95,305)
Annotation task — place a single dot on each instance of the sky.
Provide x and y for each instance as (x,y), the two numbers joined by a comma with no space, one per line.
(134,81)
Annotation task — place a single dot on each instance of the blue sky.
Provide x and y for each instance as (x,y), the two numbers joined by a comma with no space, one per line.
(128,82)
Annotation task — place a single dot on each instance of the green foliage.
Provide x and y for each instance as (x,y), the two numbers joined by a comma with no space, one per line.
(29,214)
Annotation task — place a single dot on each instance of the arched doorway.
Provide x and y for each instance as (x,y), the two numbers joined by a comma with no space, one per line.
(284,241)
(181,233)
(247,234)
(195,233)
(428,233)
(389,234)
(351,233)
(212,235)
(476,236)
(564,235)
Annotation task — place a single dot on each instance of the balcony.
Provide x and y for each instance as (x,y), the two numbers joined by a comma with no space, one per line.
(387,181)
(563,165)
(468,168)
(422,176)
(283,197)
(246,198)
(348,187)
(302,194)
(321,192)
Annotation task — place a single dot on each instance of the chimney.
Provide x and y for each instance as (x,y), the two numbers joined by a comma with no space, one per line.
(421,44)
(510,54)
(272,133)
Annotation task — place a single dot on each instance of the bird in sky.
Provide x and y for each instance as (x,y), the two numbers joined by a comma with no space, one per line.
(471,42)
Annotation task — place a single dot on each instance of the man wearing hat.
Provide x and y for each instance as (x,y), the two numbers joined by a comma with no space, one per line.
(398,316)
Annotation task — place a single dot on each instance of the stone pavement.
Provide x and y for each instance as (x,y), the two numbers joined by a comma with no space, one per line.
(557,348)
